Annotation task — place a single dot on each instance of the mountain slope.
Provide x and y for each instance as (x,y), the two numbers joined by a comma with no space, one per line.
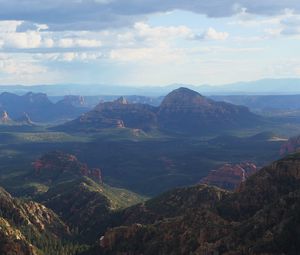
(183,110)
(262,217)
(116,114)
(27,227)
(86,206)
(39,107)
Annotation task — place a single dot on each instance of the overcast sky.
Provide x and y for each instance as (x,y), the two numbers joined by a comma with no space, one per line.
(148,42)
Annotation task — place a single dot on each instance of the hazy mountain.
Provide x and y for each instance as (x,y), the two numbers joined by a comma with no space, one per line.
(116,114)
(38,107)
(263,103)
(182,110)
(185,110)
(265,87)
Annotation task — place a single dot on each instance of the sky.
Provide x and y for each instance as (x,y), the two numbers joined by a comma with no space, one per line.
(148,42)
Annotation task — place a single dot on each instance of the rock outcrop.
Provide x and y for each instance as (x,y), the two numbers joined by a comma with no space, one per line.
(21,222)
(290,146)
(230,176)
(5,119)
(183,111)
(261,217)
(116,114)
(58,166)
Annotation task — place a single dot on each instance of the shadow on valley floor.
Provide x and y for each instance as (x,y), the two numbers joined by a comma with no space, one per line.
(147,164)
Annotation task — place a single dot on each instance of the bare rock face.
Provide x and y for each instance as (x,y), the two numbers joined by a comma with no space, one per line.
(230,176)
(13,241)
(19,218)
(291,146)
(5,119)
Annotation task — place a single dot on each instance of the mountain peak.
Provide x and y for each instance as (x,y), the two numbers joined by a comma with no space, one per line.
(121,100)
(185,96)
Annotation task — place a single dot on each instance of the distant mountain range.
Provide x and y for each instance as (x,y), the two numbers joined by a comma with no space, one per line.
(183,111)
(37,107)
(259,87)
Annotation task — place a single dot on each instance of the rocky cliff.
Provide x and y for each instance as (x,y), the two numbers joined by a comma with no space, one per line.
(230,176)
(24,226)
(116,114)
(261,217)
(59,166)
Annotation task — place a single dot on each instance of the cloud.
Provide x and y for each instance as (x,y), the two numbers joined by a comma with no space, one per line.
(291,25)
(70,56)
(211,34)
(12,66)
(104,14)
(20,35)
(22,40)
(81,43)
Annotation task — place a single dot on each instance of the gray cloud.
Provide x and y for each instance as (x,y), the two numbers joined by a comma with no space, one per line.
(102,14)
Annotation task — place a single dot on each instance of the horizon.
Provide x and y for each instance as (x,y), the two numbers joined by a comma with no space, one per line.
(154,85)
(150,43)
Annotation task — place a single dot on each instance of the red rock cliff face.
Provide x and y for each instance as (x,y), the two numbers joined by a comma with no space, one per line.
(230,176)
(291,146)
(61,163)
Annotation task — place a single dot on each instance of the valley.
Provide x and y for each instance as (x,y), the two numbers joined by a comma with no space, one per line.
(91,171)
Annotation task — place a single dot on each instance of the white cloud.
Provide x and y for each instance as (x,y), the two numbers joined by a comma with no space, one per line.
(7,26)
(81,43)
(27,40)
(70,56)
(211,34)
(13,66)
(143,30)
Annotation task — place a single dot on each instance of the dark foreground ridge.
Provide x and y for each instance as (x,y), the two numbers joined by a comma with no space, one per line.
(262,217)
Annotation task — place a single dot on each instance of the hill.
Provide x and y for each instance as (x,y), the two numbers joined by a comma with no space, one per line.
(57,166)
(28,228)
(87,206)
(117,114)
(261,217)
(183,110)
